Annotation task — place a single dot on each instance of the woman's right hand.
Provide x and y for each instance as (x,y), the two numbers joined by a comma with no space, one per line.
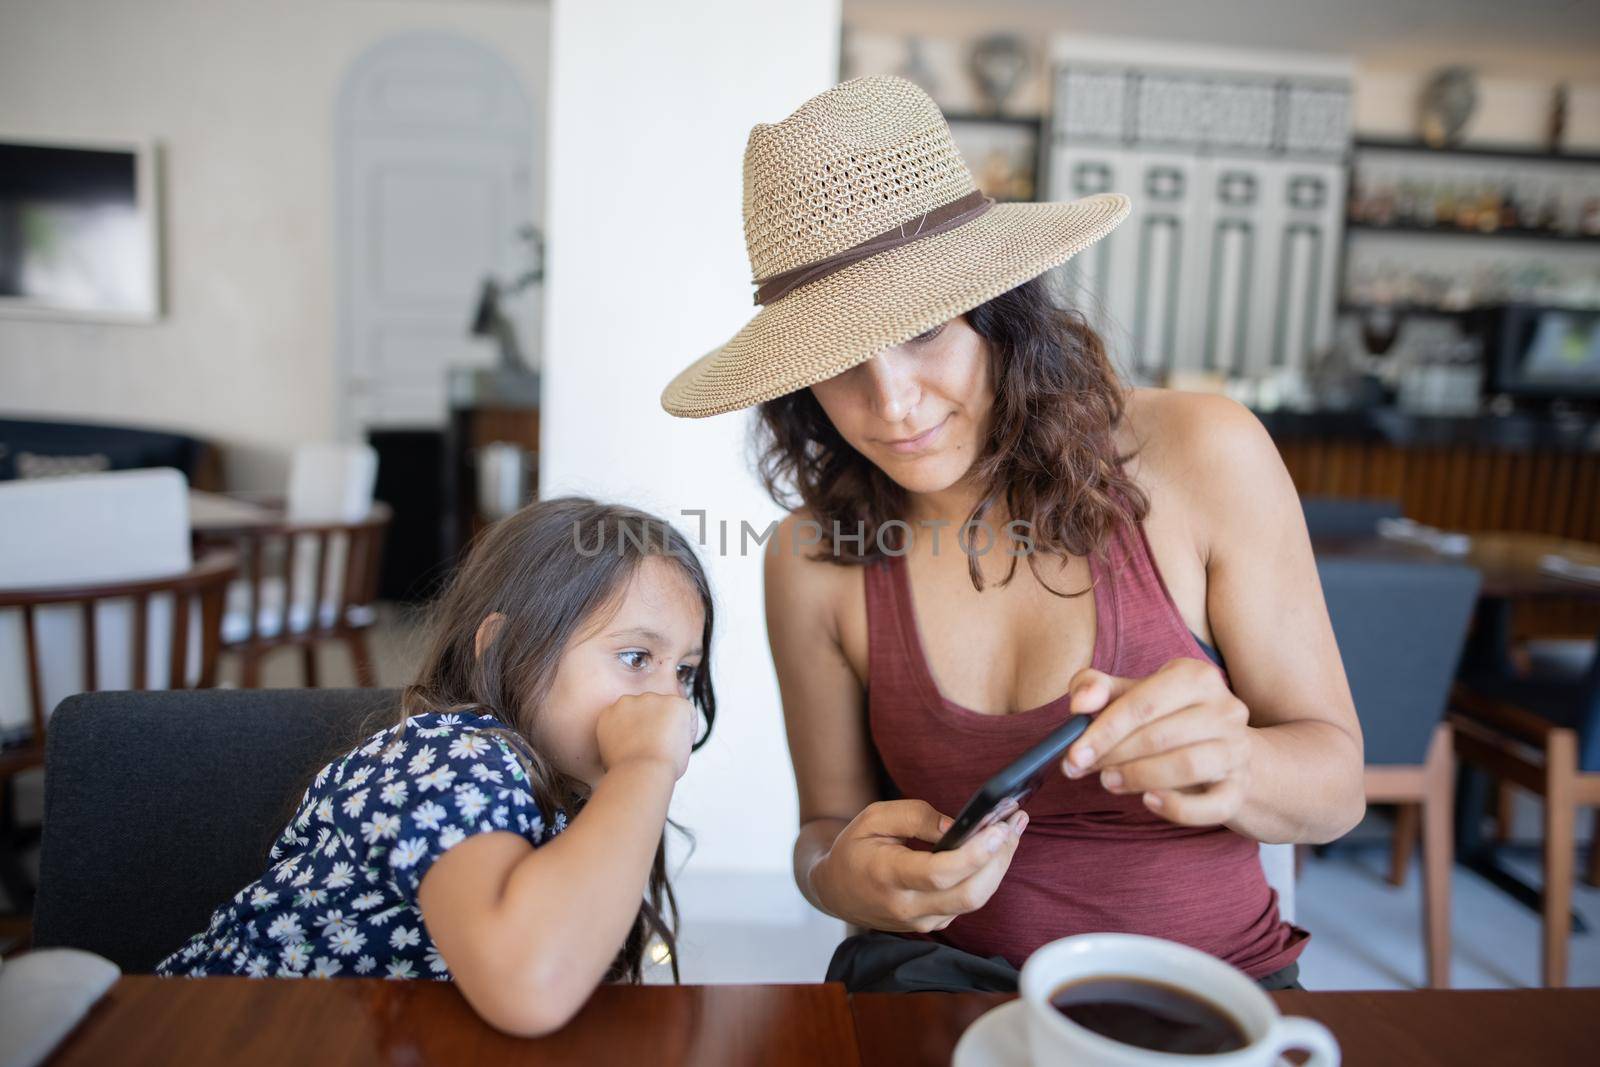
(647,726)
(869,877)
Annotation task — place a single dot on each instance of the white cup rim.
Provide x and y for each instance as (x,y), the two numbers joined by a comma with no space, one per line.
(1115,955)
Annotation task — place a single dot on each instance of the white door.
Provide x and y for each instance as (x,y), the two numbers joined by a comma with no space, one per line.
(436,180)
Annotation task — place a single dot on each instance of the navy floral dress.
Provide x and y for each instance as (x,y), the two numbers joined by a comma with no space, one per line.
(340,897)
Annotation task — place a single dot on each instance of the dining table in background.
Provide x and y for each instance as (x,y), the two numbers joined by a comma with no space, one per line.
(214,516)
(355,1022)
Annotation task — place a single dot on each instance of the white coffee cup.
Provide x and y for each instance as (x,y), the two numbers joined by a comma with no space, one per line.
(1054,1038)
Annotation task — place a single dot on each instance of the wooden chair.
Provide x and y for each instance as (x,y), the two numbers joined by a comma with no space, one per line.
(163,611)
(1401,626)
(93,567)
(1543,735)
(305,583)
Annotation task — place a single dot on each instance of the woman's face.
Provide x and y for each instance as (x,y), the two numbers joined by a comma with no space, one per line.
(919,411)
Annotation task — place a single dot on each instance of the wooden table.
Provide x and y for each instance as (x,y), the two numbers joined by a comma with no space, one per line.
(351,1021)
(1548,1027)
(147,1020)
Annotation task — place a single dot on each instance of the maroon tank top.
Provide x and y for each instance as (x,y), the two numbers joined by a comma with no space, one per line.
(1089,860)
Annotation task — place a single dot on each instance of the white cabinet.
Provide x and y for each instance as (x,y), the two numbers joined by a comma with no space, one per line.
(1230,257)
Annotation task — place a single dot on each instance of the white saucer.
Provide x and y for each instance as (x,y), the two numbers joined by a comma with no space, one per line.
(997,1038)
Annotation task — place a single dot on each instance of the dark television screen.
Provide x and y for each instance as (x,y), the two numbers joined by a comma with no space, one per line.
(74,233)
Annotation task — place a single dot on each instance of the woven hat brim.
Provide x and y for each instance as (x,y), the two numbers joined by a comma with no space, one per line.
(827,327)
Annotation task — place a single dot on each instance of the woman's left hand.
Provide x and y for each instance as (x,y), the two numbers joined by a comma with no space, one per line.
(1179,736)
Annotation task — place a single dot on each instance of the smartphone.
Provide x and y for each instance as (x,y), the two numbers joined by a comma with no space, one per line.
(1003,794)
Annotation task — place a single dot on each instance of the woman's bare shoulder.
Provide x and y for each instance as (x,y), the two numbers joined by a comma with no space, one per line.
(797,570)
(813,605)
(1211,457)
(1178,437)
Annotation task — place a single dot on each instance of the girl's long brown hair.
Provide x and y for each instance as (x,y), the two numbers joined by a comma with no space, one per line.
(549,569)
(1050,456)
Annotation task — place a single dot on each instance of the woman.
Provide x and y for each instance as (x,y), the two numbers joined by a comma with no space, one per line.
(1121,546)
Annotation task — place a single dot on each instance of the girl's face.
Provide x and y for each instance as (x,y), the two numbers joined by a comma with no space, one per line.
(919,411)
(649,643)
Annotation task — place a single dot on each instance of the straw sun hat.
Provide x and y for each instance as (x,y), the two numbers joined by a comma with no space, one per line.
(865,229)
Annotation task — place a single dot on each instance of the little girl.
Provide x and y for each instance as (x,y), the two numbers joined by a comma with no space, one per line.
(570,656)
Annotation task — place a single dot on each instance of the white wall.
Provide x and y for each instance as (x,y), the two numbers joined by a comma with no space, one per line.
(650,106)
(240,94)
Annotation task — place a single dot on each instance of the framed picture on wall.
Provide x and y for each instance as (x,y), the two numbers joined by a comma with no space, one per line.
(79,229)
(1002,151)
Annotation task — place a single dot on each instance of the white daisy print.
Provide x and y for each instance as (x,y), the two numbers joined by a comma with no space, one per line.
(395,750)
(470,801)
(468,746)
(295,956)
(405,937)
(346,941)
(407,853)
(384,826)
(367,901)
(428,815)
(286,928)
(355,802)
(485,773)
(257,967)
(439,778)
(325,810)
(340,876)
(310,898)
(365,964)
(451,837)
(333,920)
(394,794)
(422,760)
(325,967)
(261,898)
(401,969)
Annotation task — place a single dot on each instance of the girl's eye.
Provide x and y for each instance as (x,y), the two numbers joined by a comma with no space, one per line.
(686,675)
(923,338)
(634,659)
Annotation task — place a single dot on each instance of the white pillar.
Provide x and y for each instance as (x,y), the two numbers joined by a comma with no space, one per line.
(651,102)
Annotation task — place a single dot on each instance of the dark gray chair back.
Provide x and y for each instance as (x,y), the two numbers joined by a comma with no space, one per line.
(1331,516)
(159,806)
(1400,626)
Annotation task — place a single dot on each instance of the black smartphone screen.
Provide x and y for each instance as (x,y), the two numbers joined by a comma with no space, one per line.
(1006,791)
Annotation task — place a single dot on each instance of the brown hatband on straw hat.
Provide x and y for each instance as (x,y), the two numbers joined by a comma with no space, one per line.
(865,229)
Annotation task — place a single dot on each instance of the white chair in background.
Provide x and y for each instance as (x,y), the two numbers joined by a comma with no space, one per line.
(314,577)
(98,590)
(1277,863)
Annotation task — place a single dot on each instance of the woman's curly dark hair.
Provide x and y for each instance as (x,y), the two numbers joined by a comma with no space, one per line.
(1050,455)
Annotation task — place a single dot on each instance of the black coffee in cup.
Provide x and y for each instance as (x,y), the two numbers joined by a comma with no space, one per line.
(1149,1015)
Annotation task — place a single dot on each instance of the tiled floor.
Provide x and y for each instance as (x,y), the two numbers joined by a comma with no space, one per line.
(755,927)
